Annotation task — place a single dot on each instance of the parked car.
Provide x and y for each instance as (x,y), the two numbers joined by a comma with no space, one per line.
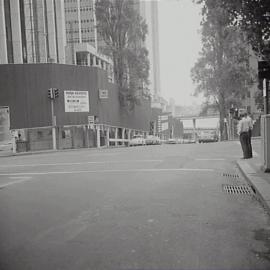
(208,136)
(171,141)
(152,140)
(137,140)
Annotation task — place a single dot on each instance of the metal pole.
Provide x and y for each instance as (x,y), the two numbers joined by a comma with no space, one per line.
(266,105)
(229,128)
(233,131)
(98,135)
(53,125)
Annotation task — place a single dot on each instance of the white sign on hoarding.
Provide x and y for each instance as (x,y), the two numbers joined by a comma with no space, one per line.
(103,93)
(91,119)
(76,101)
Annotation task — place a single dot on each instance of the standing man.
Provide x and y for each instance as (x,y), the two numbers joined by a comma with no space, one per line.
(250,123)
(243,132)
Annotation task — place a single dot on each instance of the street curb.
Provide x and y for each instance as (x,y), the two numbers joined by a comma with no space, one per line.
(260,187)
(58,151)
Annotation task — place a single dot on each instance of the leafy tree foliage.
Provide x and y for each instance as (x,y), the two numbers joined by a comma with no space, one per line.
(222,71)
(252,16)
(123,31)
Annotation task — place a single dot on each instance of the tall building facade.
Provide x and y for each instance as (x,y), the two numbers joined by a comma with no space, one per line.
(32,31)
(149,11)
(80,21)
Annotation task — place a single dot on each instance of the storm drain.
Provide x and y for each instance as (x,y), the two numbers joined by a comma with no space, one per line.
(237,189)
(230,175)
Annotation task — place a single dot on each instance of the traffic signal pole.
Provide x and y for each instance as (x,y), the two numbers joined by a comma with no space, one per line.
(264,75)
(53,93)
(53,125)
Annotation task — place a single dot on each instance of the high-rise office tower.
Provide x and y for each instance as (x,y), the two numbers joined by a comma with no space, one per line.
(80,23)
(149,11)
(32,31)
(81,36)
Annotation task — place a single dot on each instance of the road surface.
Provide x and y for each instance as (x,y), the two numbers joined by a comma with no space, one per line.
(149,207)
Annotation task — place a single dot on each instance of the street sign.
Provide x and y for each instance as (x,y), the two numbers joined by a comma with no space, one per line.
(103,93)
(91,119)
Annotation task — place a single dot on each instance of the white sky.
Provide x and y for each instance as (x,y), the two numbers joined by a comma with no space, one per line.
(180,43)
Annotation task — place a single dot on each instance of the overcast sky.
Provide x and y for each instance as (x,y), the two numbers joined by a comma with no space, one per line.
(179,23)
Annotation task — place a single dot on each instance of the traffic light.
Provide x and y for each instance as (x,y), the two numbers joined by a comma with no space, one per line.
(264,69)
(56,93)
(50,93)
(53,93)
(236,114)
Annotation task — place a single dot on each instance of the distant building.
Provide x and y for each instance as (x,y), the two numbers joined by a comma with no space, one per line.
(171,107)
(149,11)
(194,125)
(32,31)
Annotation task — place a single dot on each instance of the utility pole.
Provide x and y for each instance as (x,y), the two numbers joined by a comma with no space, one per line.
(53,93)
(264,76)
(265,95)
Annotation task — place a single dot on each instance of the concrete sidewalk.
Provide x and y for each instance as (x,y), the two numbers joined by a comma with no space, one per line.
(252,170)
(7,152)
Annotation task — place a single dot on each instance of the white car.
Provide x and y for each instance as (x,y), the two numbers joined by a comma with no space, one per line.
(137,140)
(171,141)
(150,139)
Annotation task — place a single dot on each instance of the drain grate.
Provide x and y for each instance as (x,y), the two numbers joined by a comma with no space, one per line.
(230,175)
(235,189)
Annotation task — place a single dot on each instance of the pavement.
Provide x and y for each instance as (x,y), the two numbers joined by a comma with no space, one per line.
(252,170)
(6,151)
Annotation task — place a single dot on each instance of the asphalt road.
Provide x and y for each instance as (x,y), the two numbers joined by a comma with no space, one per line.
(152,207)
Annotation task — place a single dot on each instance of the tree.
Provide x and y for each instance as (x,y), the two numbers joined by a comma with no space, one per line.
(222,71)
(253,17)
(123,30)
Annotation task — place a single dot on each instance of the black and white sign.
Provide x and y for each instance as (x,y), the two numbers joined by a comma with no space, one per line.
(91,119)
(76,101)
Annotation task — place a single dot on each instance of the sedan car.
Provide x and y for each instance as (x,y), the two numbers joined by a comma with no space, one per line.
(208,136)
(171,141)
(152,140)
(137,140)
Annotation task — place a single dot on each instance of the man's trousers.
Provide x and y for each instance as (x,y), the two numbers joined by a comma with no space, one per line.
(244,140)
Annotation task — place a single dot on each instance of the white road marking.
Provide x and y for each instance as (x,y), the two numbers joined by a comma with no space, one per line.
(110,171)
(102,154)
(210,159)
(23,179)
(78,163)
